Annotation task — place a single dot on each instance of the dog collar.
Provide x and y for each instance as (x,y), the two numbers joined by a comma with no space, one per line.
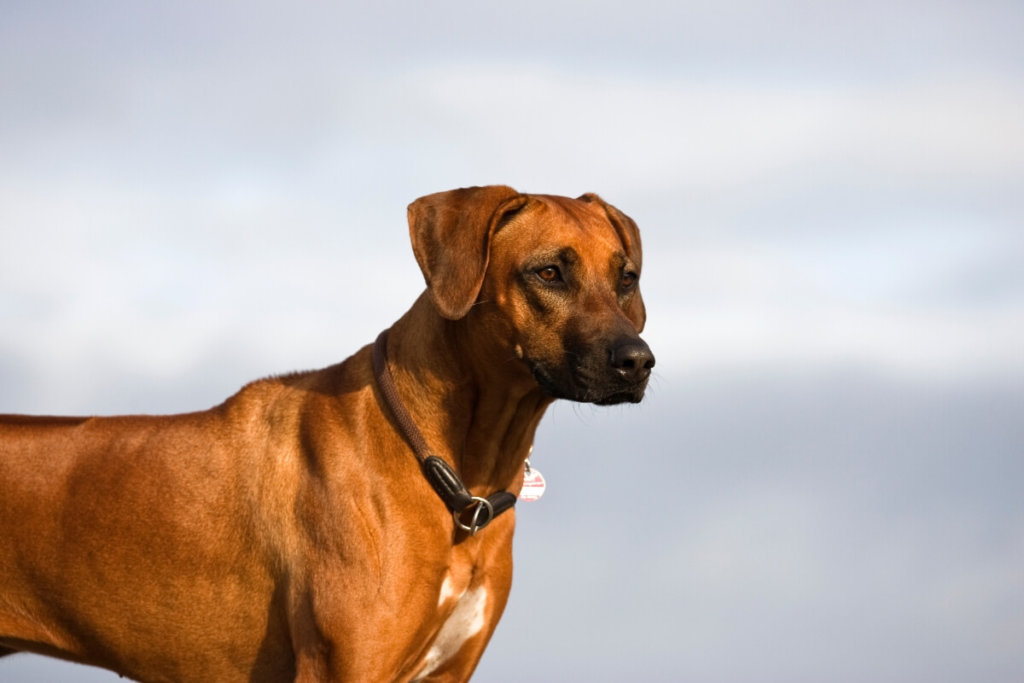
(443,479)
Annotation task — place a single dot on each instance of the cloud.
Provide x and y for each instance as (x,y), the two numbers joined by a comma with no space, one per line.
(836,527)
(829,223)
(822,478)
(648,135)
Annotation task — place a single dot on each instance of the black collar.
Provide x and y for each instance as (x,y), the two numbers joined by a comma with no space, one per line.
(443,479)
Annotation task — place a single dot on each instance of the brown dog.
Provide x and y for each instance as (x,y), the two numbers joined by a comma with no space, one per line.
(301,530)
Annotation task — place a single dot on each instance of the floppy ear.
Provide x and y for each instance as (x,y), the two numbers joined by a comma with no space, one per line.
(451,234)
(629,234)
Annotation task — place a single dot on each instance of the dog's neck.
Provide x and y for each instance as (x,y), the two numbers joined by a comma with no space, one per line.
(479,415)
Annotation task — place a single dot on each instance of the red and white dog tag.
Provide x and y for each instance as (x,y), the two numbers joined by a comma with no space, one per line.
(533,484)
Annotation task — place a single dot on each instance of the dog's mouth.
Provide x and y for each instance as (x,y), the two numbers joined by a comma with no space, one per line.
(634,396)
(577,384)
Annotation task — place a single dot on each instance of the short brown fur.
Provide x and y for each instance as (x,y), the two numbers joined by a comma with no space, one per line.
(288,533)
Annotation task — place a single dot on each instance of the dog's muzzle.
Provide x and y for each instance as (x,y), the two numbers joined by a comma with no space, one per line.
(616,373)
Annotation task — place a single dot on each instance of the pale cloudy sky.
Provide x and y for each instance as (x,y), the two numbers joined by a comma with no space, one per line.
(824,483)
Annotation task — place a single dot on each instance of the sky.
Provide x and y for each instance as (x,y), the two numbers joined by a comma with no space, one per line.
(824,480)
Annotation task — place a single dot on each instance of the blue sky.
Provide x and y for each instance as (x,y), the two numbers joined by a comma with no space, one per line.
(824,481)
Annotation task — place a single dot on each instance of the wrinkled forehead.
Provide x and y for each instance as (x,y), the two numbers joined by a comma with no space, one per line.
(551,223)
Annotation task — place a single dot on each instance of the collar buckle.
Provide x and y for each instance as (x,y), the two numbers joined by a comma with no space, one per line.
(483,513)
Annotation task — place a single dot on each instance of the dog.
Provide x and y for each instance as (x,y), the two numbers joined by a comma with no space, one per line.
(347,524)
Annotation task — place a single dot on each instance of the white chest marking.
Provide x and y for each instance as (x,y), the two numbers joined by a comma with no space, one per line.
(447,591)
(465,621)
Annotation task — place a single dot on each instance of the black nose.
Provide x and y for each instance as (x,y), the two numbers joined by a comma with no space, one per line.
(632,359)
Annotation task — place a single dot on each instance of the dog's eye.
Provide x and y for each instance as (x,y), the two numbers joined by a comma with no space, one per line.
(550,274)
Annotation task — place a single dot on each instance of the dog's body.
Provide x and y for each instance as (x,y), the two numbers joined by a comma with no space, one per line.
(289,533)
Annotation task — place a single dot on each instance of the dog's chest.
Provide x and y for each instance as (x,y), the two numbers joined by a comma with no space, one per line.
(466,620)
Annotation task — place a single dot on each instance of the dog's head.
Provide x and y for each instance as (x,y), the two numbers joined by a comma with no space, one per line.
(551,280)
